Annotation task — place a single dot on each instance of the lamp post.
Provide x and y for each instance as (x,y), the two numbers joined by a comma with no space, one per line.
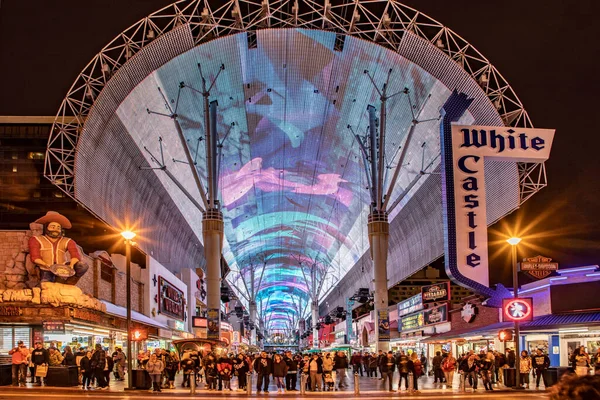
(514,241)
(128,236)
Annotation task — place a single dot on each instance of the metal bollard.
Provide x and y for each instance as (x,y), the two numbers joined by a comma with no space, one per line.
(249,383)
(411,382)
(356,384)
(302,384)
(192,382)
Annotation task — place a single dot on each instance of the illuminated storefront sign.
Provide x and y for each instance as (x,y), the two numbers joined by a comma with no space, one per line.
(435,315)
(439,292)
(410,322)
(465,218)
(171,300)
(410,305)
(517,310)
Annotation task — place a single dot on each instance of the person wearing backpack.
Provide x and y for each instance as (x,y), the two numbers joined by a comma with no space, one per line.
(98,363)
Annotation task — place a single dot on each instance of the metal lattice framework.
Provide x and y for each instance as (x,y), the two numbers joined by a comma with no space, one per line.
(384,22)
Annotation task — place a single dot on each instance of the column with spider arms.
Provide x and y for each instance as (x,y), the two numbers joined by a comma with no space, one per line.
(318,273)
(372,146)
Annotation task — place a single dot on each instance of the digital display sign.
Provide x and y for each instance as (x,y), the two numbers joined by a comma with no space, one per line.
(410,305)
(292,186)
(410,322)
(436,315)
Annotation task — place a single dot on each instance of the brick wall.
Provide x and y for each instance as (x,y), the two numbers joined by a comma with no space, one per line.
(486,316)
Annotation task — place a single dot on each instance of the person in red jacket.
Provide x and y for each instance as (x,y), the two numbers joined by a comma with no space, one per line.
(225,367)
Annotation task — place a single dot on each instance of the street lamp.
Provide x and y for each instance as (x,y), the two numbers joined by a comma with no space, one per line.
(514,241)
(128,236)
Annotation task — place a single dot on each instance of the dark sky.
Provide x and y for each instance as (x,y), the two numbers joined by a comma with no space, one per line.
(547,50)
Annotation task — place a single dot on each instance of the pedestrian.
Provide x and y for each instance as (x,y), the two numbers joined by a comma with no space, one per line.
(340,364)
(416,368)
(423,360)
(241,368)
(365,363)
(468,367)
(68,357)
(40,356)
(263,367)
(292,373)
(373,366)
(436,364)
(86,371)
(524,368)
(387,367)
(403,370)
(108,367)
(56,358)
(448,367)
(315,370)
(328,367)
(19,356)
(540,363)
(98,362)
(120,360)
(171,368)
(187,365)
(155,368)
(499,364)
(280,370)
(486,365)
(596,362)
(356,362)
(580,361)
(573,387)
(380,355)
(510,358)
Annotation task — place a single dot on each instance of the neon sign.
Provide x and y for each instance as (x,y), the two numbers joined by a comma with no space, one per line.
(518,310)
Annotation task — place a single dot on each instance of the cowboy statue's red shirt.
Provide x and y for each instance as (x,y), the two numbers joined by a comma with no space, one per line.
(35,249)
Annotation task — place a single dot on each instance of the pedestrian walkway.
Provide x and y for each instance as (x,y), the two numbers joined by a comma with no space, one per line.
(368,387)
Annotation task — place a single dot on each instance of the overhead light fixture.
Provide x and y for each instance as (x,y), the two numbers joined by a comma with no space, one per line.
(574,330)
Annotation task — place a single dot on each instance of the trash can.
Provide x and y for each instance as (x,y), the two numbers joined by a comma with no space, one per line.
(550,376)
(5,374)
(140,379)
(510,378)
(62,376)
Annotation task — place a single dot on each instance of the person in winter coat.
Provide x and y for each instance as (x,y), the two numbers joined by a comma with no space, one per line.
(98,363)
(39,356)
(155,368)
(212,373)
(373,365)
(525,368)
(356,362)
(315,371)
(280,369)
(403,369)
(327,366)
(499,363)
(108,367)
(263,367)
(340,364)
(240,369)
(85,366)
(187,365)
(415,366)
(436,364)
(468,366)
(448,367)
(540,363)
(171,368)
(56,358)
(387,367)
(225,368)
(486,365)
(69,357)
(292,373)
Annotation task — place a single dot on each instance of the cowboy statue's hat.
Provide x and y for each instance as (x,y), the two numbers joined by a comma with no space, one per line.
(53,216)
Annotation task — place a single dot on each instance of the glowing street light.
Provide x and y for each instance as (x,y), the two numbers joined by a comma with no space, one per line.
(128,236)
(513,241)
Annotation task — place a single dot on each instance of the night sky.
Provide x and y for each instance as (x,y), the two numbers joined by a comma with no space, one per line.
(547,50)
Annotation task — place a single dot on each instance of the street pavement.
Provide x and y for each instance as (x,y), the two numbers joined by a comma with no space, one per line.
(368,387)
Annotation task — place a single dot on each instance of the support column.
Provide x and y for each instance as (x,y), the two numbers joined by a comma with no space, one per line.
(379,229)
(212,232)
(253,322)
(314,307)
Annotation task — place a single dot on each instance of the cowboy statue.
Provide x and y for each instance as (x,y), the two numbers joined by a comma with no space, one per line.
(49,251)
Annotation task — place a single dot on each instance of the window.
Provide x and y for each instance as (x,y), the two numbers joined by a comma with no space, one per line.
(15,155)
(15,169)
(37,194)
(9,337)
(59,195)
(32,155)
(106,273)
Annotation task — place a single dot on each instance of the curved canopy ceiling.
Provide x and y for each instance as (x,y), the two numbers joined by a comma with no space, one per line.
(292,184)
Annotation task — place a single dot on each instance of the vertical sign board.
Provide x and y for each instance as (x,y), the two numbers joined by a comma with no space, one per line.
(349,333)
(464,149)
(384,325)
(212,322)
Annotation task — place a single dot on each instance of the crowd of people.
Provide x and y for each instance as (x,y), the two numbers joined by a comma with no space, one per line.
(318,371)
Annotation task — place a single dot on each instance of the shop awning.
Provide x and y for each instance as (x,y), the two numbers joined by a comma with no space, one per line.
(544,322)
(136,316)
